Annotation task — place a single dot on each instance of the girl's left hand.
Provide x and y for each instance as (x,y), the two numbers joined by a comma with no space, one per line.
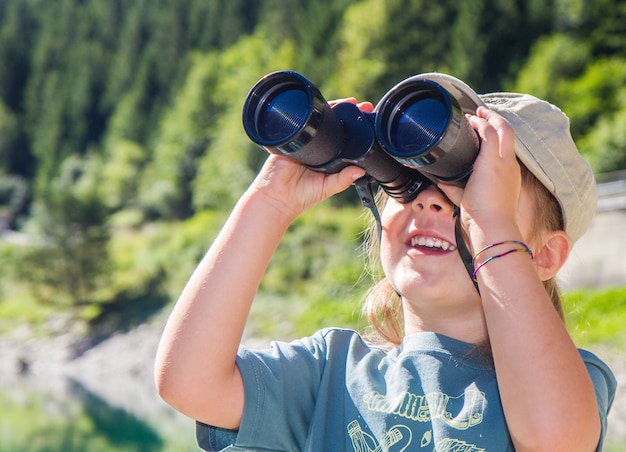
(491,194)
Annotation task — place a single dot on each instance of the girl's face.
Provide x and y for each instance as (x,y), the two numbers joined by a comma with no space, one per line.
(418,250)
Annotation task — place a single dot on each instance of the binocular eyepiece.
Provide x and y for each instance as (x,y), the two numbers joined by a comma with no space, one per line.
(417,134)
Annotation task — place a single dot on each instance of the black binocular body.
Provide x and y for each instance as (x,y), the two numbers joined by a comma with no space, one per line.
(417,134)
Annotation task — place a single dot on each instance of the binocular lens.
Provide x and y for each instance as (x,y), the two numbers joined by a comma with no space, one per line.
(281,114)
(413,117)
(423,126)
(415,126)
(286,115)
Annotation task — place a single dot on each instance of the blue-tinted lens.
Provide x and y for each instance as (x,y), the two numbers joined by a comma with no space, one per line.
(282,115)
(419,126)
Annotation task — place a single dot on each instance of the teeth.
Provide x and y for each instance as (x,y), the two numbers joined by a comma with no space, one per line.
(432,242)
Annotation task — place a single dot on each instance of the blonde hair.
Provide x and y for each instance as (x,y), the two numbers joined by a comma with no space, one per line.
(383,306)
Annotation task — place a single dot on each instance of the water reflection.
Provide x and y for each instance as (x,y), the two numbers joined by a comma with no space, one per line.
(120,427)
(55,414)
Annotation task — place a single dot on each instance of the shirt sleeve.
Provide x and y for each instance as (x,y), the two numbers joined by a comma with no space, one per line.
(280,387)
(605,385)
(214,439)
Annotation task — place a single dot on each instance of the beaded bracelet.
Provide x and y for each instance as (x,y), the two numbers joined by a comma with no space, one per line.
(524,249)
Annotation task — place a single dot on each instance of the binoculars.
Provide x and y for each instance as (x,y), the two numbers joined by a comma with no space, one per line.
(416,136)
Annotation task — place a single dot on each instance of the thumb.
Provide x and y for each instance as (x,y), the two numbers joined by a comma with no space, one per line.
(340,181)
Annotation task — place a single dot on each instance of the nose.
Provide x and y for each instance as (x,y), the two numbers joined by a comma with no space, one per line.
(433,200)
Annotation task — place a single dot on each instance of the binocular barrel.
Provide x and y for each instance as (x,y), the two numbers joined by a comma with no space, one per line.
(285,114)
(418,132)
(422,126)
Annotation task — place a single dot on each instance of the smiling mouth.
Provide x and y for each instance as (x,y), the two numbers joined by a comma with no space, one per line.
(432,243)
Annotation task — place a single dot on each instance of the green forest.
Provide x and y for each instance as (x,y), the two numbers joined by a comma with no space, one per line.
(122,149)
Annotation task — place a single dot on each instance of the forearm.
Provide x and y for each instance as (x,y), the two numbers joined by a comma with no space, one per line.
(195,369)
(196,356)
(547,394)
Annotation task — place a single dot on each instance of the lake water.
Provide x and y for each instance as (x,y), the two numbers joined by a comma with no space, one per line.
(59,414)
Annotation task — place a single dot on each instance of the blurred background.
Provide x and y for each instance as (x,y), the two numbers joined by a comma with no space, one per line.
(122,152)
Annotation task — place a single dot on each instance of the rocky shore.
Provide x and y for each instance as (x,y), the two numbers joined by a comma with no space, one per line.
(119,370)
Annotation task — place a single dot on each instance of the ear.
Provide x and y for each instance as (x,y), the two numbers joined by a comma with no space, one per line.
(552,254)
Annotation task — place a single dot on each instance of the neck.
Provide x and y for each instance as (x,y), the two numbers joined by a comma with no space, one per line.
(465,323)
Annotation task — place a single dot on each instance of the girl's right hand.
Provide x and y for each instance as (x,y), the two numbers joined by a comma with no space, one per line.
(291,188)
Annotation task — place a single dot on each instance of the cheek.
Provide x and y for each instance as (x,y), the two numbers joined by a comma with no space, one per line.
(390,213)
(390,261)
(386,249)
(391,219)
(390,247)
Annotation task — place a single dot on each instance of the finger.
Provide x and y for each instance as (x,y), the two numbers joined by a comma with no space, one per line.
(366,107)
(506,135)
(342,180)
(453,192)
(489,139)
(351,100)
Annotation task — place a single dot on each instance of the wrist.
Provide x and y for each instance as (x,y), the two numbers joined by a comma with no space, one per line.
(484,235)
(267,204)
(498,250)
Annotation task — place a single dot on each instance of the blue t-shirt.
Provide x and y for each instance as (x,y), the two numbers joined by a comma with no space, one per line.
(335,392)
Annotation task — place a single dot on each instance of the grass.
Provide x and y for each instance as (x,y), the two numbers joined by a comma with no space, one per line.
(596,316)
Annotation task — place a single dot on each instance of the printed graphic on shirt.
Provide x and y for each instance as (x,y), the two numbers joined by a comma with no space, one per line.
(460,413)
(398,436)
(432,406)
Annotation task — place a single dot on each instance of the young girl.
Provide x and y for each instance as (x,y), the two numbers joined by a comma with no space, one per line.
(458,367)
